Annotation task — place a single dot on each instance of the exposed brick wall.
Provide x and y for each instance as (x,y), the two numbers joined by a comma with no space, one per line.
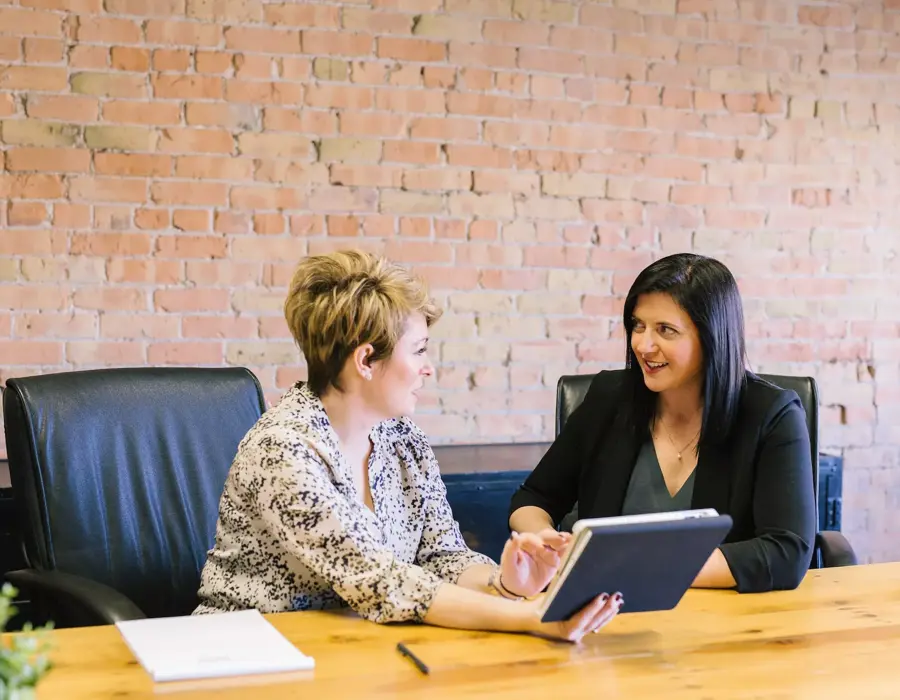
(167,162)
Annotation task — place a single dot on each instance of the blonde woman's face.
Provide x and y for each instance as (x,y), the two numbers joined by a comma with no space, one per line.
(397,380)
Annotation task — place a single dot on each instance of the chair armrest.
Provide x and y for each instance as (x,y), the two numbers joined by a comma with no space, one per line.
(835,549)
(72,600)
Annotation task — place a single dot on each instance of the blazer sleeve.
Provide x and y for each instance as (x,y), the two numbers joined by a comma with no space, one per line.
(553,485)
(784,509)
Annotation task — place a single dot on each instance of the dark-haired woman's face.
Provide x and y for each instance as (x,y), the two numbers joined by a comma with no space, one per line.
(666,343)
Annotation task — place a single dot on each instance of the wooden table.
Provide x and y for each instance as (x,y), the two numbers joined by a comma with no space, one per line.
(837,636)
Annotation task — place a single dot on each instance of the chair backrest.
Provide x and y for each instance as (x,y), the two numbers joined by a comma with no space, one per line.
(571,390)
(117,473)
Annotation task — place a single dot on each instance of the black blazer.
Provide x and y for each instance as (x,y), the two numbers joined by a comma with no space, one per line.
(761,476)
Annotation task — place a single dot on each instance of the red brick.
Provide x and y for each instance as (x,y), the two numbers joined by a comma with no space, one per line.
(214,168)
(40,78)
(236,11)
(126,299)
(131,165)
(421,153)
(184,140)
(205,300)
(177,60)
(306,120)
(219,327)
(835,16)
(30,352)
(182,87)
(151,219)
(87,57)
(189,193)
(339,97)
(141,113)
(69,160)
(444,129)
(366,175)
(185,353)
(26,214)
(268,223)
(42,50)
(71,216)
(267,198)
(479,156)
(103,189)
(38,242)
(264,40)
(128,58)
(146,271)
(181,33)
(108,244)
(63,107)
(337,43)
(468,54)
(11,48)
(412,101)
(225,273)
(191,219)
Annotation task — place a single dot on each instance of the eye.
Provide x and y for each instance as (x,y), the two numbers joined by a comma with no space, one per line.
(422,351)
(637,326)
(667,331)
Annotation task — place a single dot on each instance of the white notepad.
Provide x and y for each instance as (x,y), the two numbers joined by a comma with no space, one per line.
(210,646)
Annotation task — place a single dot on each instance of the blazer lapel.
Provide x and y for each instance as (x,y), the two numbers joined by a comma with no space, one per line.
(712,480)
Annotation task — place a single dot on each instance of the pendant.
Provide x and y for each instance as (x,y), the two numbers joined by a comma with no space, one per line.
(679,456)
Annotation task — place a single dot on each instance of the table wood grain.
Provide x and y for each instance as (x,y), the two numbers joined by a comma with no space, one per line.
(837,636)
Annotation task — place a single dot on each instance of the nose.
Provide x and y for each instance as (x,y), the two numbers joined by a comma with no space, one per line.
(645,343)
(428,369)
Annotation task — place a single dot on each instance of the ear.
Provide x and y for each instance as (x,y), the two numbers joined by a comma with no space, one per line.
(362,360)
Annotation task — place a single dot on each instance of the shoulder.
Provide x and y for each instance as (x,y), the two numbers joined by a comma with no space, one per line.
(764,403)
(291,433)
(608,382)
(404,432)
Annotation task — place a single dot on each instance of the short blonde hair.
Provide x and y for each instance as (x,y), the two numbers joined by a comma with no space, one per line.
(345,299)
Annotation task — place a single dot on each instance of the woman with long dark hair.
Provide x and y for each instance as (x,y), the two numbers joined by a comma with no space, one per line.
(686,425)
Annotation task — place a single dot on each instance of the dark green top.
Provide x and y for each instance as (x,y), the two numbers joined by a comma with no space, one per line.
(647,491)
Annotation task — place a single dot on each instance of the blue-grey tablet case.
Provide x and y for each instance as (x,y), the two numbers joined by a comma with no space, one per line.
(652,564)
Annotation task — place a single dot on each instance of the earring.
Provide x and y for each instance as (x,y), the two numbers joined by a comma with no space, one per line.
(368,375)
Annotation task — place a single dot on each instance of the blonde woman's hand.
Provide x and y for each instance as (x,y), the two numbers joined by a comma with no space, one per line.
(530,560)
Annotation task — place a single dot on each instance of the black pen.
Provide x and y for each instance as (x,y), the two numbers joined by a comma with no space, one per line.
(403,649)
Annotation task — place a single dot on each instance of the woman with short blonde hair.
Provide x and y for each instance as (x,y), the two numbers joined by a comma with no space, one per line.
(335,497)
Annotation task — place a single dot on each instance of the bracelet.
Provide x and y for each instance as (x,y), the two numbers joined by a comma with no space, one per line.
(496,583)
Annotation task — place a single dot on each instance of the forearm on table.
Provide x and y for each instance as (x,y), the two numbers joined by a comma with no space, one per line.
(476,578)
(530,519)
(715,573)
(462,608)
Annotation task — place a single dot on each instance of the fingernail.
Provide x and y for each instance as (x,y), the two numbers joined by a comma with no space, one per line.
(618,598)
(604,597)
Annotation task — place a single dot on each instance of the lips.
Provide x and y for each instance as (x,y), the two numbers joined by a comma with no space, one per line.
(654,367)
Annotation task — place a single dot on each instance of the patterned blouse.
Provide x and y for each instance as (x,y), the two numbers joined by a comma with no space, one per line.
(293,533)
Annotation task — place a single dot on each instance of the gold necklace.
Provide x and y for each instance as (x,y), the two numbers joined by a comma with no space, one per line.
(677,451)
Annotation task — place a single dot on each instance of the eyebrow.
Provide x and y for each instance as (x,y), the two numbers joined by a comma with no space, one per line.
(672,324)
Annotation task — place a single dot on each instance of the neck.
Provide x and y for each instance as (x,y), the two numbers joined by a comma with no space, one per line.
(349,417)
(680,406)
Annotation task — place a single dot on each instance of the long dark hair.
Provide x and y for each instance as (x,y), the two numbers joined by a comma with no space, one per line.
(708,293)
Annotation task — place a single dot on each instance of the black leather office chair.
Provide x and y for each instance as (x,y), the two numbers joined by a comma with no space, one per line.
(116,477)
(832,548)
